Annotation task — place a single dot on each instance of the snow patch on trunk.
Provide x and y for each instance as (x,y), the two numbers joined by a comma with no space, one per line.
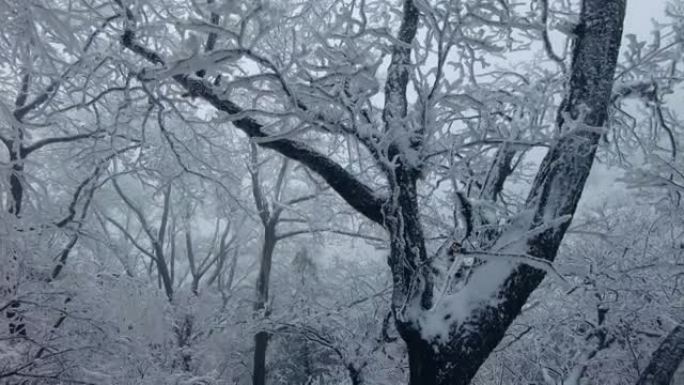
(455,309)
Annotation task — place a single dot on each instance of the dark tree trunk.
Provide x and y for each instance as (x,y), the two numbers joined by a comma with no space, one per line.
(260,347)
(422,361)
(184,336)
(355,374)
(16,188)
(408,256)
(261,338)
(665,360)
(17,327)
(454,357)
(164,275)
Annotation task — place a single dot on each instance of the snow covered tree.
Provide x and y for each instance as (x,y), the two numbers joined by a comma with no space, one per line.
(178,177)
(450,321)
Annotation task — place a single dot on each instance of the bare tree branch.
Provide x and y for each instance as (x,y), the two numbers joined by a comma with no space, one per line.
(354,192)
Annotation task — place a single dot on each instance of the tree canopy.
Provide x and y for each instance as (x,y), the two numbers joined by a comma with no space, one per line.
(339,191)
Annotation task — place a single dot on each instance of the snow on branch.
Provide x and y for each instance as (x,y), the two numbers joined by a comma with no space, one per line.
(353,191)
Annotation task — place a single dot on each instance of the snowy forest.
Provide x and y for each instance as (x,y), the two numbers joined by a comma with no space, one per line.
(342,192)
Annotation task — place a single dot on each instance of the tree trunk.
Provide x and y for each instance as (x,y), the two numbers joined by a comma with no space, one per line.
(261,338)
(454,355)
(17,327)
(184,339)
(260,347)
(16,188)
(430,365)
(355,374)
(665,360)
(422,362)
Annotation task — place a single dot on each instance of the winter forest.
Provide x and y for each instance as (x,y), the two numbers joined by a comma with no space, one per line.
(342,192)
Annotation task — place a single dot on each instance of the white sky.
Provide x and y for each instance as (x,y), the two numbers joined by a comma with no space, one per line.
(640,13)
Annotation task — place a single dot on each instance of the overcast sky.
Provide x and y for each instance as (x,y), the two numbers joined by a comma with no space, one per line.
(640,13)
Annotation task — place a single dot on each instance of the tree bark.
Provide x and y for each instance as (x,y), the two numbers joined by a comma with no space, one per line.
(261,337)
(555,194)
(17,326)
(260,347)
(355,375)
(16,189)
(665,360)
(184,339)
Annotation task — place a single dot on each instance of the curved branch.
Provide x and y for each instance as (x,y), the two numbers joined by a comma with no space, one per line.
(548,47)
(353,191)
(63,139)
